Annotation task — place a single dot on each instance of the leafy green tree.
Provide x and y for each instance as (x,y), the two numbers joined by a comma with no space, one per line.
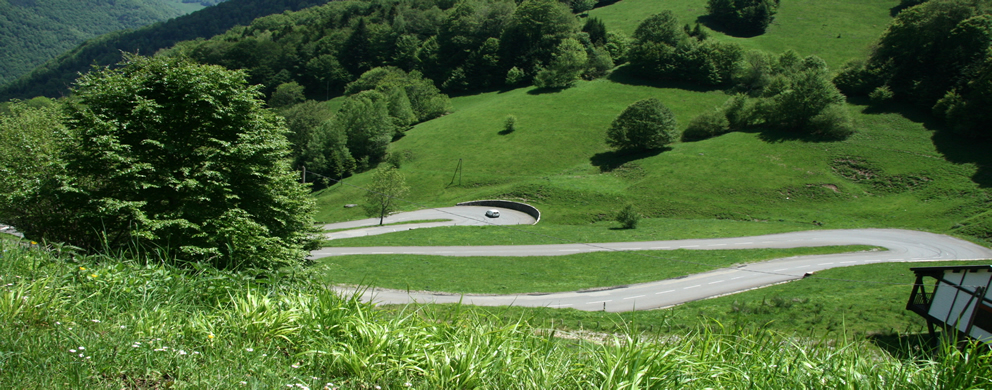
(706,125)
(596,30)
(287,94)
(800,93)
(32,148)
(364,119)
(968,107)
(743,17)
(536,29)
(327,152)
(384,193)
(302,121)
(173,156)
(644,125)
(566,66)
(509,124)
(662,28)
(426,101)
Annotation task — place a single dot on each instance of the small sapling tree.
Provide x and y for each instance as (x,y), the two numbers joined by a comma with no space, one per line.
(628,217)
(387,187)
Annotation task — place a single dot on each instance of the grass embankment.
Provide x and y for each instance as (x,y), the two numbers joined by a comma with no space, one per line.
(866,300)
(507,275)
(104,322)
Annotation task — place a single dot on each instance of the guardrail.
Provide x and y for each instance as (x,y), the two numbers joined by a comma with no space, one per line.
(507,204)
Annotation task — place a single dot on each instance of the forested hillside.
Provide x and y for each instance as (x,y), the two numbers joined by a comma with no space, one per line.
(34,31)
(54,77)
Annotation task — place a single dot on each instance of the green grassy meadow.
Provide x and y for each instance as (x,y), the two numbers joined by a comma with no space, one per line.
(806,26)
(507,275)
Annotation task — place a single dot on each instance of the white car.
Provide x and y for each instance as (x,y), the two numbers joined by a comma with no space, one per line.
(492,213)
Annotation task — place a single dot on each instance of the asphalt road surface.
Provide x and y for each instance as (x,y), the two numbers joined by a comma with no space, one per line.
(456,216)
(902,245)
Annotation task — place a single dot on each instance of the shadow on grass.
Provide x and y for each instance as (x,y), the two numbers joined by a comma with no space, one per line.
(623,75)
(711,23)
(542,91)
(608,161)
(907,346)
(505,132)
(955,148)
(779,135)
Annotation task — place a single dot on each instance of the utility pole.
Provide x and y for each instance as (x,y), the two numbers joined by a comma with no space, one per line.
(304,178)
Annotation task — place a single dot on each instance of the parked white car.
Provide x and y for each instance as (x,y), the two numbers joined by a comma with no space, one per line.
(492,213)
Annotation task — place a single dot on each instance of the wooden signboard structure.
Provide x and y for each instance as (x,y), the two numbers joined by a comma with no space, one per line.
(955,298)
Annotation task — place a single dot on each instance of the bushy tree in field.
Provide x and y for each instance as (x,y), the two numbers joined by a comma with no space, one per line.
(567,64)
(172,156)
(384,193)
(743,17)
(802,98)
(644,125)
(327,152)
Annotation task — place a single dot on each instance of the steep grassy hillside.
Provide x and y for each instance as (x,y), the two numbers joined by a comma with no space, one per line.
(892,173)
(34,31)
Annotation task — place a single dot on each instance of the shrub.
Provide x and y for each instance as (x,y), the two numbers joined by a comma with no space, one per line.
(628,217)
(881,95)
(510,124)
(706,125)
(743,17)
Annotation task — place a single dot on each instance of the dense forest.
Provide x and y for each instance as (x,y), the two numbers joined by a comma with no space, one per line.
(32,32)
(55,76)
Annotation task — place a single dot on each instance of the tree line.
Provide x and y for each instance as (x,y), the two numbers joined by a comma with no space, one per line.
(53,78)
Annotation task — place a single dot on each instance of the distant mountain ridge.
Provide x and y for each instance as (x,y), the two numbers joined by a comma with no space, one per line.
(34,31)
(55,76)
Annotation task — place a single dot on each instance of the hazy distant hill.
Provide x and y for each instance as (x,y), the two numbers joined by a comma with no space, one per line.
(52,78)
(34,31)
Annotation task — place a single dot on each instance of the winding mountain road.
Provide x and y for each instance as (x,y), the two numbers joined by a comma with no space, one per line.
(902,245)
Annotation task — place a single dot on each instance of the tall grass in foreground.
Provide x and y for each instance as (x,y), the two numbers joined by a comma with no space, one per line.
(99,322)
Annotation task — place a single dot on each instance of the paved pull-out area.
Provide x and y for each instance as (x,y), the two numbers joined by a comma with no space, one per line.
(456,216)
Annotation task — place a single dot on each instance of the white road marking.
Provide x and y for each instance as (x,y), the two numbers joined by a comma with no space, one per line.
(591,303)
(569,250)
(718,281)
(692,287)
(848,262)
(780,270)
(639,296)
(689,246)
(663,292)
(802,266)
(825,264)
(736,278)
(662,247)
(745,243)
(718,245)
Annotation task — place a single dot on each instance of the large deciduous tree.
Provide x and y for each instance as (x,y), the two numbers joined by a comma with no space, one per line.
(743,17)
(644,125)
(181,158)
